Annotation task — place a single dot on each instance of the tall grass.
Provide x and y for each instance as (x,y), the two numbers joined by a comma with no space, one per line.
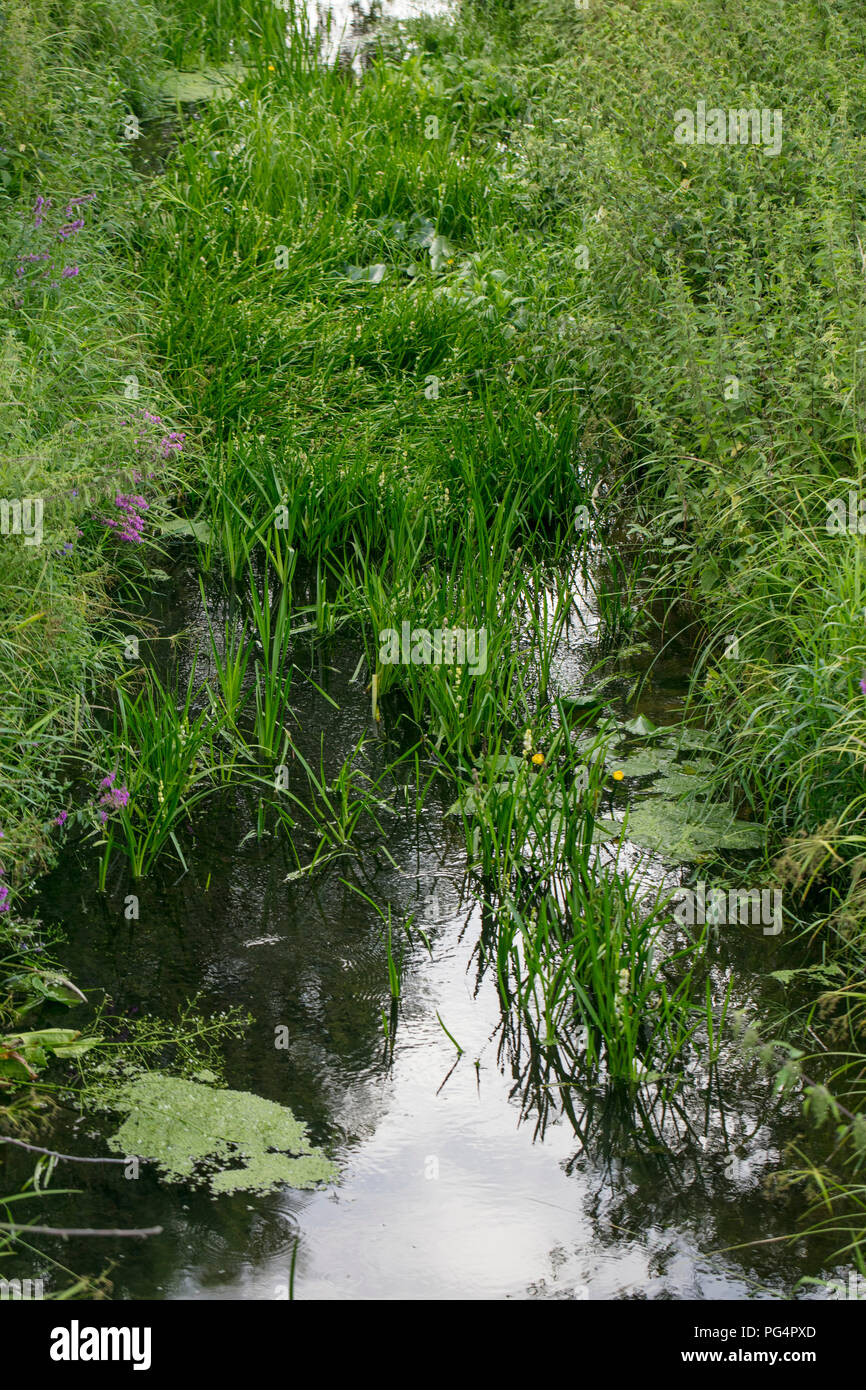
(404,376)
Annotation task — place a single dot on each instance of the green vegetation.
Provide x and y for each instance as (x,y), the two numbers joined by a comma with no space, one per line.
(449,345)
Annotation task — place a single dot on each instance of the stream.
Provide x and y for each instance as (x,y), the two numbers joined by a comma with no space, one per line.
(460,1176)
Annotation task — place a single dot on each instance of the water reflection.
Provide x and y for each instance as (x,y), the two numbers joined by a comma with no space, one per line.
(344,28)
(483,1174)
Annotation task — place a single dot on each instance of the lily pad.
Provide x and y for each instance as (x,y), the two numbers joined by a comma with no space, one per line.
(690,738)
(641,725)
(583,701)
(235,1141)
(642,763)
(503,762)
(684,831)
(681,780)
(828,975)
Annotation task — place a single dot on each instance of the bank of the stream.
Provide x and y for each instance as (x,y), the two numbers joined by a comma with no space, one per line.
(457,337)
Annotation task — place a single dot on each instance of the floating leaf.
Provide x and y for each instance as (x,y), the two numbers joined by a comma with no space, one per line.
(503,762)
(681,832)
(642,763)
(423,233)
(690,738)
(582,701)
(640,725)
(824,974)
(682,778)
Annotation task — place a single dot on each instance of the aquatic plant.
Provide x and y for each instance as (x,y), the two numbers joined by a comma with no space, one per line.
(232,1140)
(158,750)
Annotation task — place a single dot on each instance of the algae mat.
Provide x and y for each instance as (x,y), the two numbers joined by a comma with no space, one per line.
(192,1132)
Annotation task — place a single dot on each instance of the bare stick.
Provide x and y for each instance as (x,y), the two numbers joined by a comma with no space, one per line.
(73,1158)
(65,1232)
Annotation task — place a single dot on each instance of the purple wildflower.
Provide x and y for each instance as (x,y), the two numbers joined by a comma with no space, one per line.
(76,202)
(863,685)
(172,443)
(130,528)
(61,819)
(69,229)
(113,798)
(68,271)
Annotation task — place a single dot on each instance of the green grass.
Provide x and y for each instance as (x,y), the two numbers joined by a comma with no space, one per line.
(74,381)
(405,357)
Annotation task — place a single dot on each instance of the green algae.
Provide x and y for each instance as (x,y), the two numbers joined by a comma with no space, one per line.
(202,84)
(234,1141)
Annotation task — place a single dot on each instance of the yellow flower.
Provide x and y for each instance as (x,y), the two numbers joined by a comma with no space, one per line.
(538,759)
(618,775)
(271,67)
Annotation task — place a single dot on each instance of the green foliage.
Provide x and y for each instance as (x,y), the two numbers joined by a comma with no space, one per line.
(585,294)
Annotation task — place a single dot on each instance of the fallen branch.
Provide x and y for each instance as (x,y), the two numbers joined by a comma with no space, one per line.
(73,1158)
(65,1232)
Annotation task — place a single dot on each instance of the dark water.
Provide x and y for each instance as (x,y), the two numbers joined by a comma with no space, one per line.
(460,1177)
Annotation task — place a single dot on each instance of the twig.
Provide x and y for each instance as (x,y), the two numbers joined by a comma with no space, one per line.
(73,1158)
(65,1232)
